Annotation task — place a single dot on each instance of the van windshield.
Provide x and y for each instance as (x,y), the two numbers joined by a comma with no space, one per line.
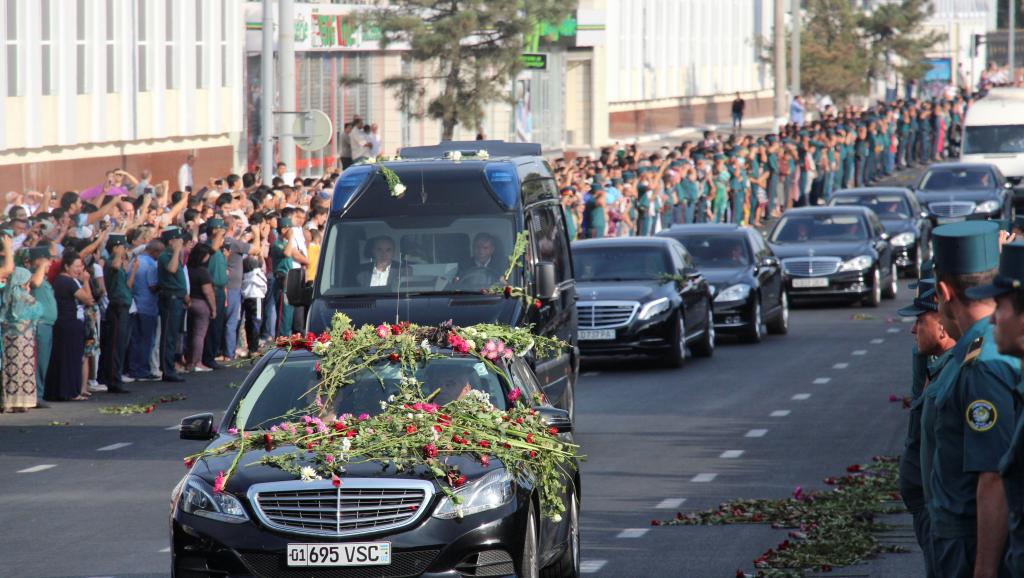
(417,254)
(993,139)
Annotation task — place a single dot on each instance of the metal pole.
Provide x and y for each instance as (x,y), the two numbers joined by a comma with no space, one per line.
(267,94)
(286,85)
(779,49)
(796,22)
(1011,49)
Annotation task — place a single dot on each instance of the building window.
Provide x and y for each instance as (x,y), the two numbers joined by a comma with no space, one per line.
(11,42)
(81,64)
(111,22)
(46,46)
(200,82)
(142,44)
(169,48)
(224,65)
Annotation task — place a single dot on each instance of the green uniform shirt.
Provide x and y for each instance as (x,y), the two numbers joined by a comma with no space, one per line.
(974,421)
(939,371)
(1012,469)
(910,461)
(171,284)
(218,267)
(116,280)
(282,264)
(45,298)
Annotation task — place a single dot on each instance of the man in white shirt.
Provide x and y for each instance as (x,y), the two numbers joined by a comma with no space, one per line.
(373,140)
(383,272)
(185,174)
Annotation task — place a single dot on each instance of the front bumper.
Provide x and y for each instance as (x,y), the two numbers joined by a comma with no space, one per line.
(648,337)
(432,547)
(732,316)
(852,284)
(905,257)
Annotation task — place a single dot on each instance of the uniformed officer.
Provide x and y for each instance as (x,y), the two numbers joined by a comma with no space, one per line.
(115,329)
(972,414)
(218,267)
(1008,332)
(173,295)
(931,352)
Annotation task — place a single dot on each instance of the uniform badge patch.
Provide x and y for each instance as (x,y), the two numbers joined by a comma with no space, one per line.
(981,415)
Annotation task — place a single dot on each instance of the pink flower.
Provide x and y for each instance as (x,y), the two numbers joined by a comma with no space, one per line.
(335,481)
(309,430)
(798,494)
(491,350)
(508,353)
(316,368)
(274,428)
(485,461)
(514,395)
(364,416)
(306,419)
(329,459)
(893,398)
(218,483)
(383,330)
(233,431)
(430,451)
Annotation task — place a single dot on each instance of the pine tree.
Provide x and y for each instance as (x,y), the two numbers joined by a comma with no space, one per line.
(833,58)
(895,41)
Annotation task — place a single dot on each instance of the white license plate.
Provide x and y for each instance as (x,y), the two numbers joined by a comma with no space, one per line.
(596,334)
(345,554)
(811,282)
(948,220)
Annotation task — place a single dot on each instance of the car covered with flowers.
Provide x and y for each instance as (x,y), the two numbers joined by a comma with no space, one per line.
(383,451)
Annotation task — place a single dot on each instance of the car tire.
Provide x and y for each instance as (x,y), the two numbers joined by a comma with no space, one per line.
(780,325)
(568,564)
(874,298)
(706,346)
(893,286)
(528,564)
(918,262)
(677,354)
(754,333)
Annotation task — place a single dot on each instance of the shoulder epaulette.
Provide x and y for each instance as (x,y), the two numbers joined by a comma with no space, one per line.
(974,351)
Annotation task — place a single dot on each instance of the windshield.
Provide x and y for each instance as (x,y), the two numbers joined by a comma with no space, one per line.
(885,206)
(621,263)
(417,254)
(289,387)
(723,252)
(820,228)
(973,179)
(993,139)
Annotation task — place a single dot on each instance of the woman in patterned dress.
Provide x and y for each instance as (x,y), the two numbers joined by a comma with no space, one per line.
(20,312)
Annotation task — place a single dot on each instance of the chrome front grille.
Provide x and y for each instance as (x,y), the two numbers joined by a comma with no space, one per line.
(811,266)
(359,506)
(605,314)
(952,209)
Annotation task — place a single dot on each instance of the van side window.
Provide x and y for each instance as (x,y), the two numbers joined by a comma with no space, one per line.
(547,232)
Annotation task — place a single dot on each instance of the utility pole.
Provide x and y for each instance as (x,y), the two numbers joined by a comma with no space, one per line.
(267,94)
(796,22)
(1011,49)
(286,83)
(779,49)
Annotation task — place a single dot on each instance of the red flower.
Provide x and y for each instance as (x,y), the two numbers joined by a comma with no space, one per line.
(324,337)
(317,368)
(150,408)
(414,507)
(533,454)
(741,574)
(268,442)
(351,433)
(485,444)
(529,438)
(394,357)
(430,451)
(519,420)
(853,469)
(282,341)
(410,429)
(335,481)
(346,335)
(459,481)
(436,428)
(536,304)
(826,568)
(553,430)
(507,445)
(485,461)
(655,523)
(218,483)
(396,330)
(309,445)
(507,291)
(188,464)
(339,426)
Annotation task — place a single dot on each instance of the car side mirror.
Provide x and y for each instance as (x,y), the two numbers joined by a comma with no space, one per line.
(546,284)
(1008,185)
(554,417)
(770,262)
(924,214)
(197,427)
(884,236)
(295,287)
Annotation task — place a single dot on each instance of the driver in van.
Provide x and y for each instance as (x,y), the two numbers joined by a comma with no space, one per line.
(483,268)
(383,271)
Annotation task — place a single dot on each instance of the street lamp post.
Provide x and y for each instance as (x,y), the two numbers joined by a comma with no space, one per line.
(779,49)
(286,85)
(795,48)
(1011,48)
(267,94)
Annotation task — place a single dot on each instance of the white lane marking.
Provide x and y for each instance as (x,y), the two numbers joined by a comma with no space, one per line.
(731,454)
(908,320)
(173,427)
(38,468)
(860,352)
(113,447)
(633,533)
(756,433)
(893,330)
(877,341)
(592,566)
(704,478)
(801,397)
(780,413)
(822,380)
(165,550)
(841,366)
(590,373)
(670,503)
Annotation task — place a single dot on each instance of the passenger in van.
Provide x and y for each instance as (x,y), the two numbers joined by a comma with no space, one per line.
(484,268)
(453,381)
(383,269)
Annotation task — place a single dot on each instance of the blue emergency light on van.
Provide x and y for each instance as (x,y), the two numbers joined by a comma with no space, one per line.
(348,184)
(503,180)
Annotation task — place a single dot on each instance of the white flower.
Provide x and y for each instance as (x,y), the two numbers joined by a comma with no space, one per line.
(391,398)
(346,444)
(399,190)
(370,160)
(482,154)
(383,406)
(456,156)
(425,345)
(470,331)
(321,348)
(308,474)
(408,415)
(557,518)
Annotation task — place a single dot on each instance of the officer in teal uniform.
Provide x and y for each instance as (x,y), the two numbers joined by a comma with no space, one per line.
(773,174)
(173,294)
(1008,290)
(972,411)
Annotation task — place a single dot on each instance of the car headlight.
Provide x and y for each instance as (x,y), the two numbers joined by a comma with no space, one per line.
(198,498)
(857,263)
(903,240)
(487,493)
(988,207)
(655,307)
(738,292)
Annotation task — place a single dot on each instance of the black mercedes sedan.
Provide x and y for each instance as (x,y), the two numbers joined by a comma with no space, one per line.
(376,521)
(642,295)
(903,219)
(750,294)
(835,252)
(954,192)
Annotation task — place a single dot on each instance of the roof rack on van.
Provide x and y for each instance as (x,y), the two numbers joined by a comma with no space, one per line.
(494,148)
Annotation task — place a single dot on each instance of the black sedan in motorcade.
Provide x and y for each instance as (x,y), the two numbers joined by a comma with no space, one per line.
(380,522)
(903,219)
(642,295)
(958,191)
(750,293)
(835,252)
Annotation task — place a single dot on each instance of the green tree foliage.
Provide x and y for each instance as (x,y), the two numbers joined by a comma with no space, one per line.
(470,47)
(833,57)
(893,36)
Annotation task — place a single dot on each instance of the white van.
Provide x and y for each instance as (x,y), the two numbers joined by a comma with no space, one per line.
(994,132)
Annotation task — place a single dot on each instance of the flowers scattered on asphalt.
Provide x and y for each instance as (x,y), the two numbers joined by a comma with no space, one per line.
(135,408)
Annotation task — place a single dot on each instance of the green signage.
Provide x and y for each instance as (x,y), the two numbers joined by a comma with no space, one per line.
(534,61)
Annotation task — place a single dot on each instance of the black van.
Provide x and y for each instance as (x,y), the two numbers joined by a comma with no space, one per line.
(444,245)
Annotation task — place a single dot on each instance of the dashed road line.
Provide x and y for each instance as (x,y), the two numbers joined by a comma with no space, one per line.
(860,352)
(39,468)
(893,330)
(907,320)
(590,373)
(703,478)
(841,366)
(877,341)
(756,433)
(822,380)
(632,533)
(780,413)
(113,447)
(592,566)
(165,550)
(731,454)
(801,397)
(670,503)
